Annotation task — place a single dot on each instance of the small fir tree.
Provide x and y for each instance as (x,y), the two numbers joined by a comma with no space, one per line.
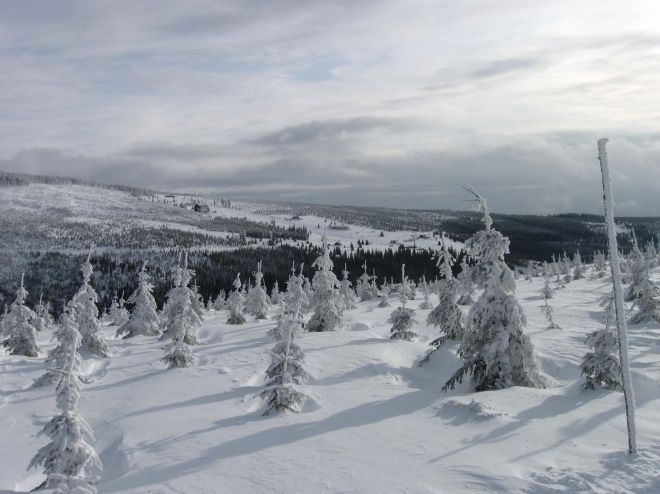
(87,314)
(326,300)
(363,288)
(179,310)
(548,312)
(144,318)
(257,300)
(69,459)
(547,291)
(403,319)
(465,284)
(600,366)
(285,370)
(578,267)
(639,272)
(236,303)
(496,352)
(384,295)
(346,291)
(426,293)
(44,320)
(447,315)
(21,335)
(647,302)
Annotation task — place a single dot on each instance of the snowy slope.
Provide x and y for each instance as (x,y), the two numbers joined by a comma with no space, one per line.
(376,423)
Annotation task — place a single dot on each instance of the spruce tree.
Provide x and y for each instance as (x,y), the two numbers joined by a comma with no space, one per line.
(20,334)
(447,315)
(285,370)
(326,301)
(69,459)
(647,302)
(256,302)
(548,312)
(144,318)
(118,314)
(403,319)
(236,303)
(465,284)
(181,323)
(600,366)
(426,293)
(346,291)
(578,267)
(384,295)
(547,291)
(363,288)
(638,272)
(44,320)
(496,352)
(87,314)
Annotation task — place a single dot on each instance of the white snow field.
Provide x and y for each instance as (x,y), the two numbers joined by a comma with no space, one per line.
(375,423)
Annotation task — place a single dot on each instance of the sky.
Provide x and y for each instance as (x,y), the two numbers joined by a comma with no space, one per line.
(362,102)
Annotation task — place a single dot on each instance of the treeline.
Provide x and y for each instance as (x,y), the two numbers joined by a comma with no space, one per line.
(10,178)
(57,276)
(255,229)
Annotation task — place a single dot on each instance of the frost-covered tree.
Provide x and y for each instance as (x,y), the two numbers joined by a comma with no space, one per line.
(326,300)
(496,352)
(276,296)
(66,332)
(87,314)
(548,313)
(144,319)
(426,294)
(236,303)
(346,291)
(180,323)
(20,334)
(44,320)
(403,319)
(647,302)
(447,315)
(220,301)
(363,288)
(578,267)
(286,369)
(600,366)
(600,263)
(118,314)
(639,272)
(465,284)
(256,302)
(547,291)
(384,295)
(651,254)
(373,285)
(68,459)
(179,314)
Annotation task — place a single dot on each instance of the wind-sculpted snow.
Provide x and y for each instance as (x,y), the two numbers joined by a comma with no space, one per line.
(375,422)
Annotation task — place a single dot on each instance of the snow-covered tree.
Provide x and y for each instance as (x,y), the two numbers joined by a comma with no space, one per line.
(496,352)
(600,264)
(66,332)
(236,303)
(426,293)
(363,288)
(87,314)
(465,284)
(647,302)
(651,254)
(179,315)
(256,302)
(68,459)
(548,312)
(403,319)
(384,295)
(144,318)
(447,315)
(600,366)
(578,267)
(276,296)
(43,319)
(286,369)
(180,323)
(346,291)
(118,314)
(20,334)
(220,301)
(326,300)
(296,296)
(639,272)
(547,291)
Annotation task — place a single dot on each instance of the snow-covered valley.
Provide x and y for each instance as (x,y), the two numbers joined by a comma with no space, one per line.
(375,421)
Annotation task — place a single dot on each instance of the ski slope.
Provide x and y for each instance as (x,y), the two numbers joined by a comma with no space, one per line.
(374,423)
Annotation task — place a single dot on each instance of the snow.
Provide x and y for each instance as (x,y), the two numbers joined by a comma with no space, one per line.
(375,422)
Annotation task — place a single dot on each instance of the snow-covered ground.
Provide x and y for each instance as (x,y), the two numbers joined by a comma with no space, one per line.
(376,422)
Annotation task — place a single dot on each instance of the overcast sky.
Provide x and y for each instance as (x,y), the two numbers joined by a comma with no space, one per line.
(366,102)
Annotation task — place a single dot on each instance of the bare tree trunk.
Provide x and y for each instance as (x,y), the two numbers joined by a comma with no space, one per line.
(618,296)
